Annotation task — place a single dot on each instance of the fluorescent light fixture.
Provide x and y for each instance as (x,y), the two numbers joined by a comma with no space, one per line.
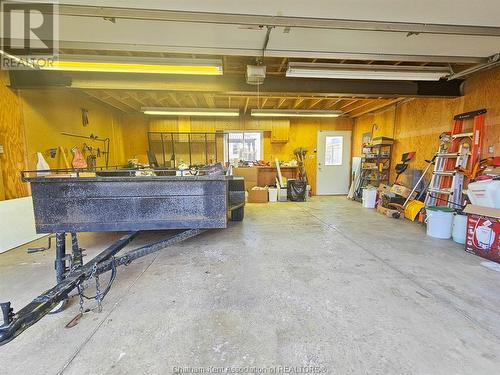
(294,113)
(130,64)
(365,71)
(214,112)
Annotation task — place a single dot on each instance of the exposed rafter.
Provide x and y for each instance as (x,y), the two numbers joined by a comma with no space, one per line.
(298,102)
(246,105)
(131,102)
(174,99)
(315,102)
(360,105)
(347,104)
(110,101)
(210,100)
(377,107)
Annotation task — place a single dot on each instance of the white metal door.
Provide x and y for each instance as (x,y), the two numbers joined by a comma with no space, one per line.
(333,158)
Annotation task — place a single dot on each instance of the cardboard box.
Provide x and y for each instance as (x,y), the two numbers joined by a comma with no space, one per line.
(382,141)
(369,165)
(250,174)
(402,190)
(483,232)
(257,195)
(395,214)
(383,188)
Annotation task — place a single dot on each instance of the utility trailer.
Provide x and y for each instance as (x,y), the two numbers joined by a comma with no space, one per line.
(67,202)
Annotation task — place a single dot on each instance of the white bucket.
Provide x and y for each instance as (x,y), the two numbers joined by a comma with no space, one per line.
(273,194)
(459,228)
(439,223)
(369,198)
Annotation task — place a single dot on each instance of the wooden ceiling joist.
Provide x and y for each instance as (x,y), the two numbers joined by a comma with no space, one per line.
(193,99)
(315,102)
(124,100)
(174,99)
(377,107)
(116,104)
(298,102)
(334,103)
(345,105)
(246,105)
(210,100)
(361,104)
(132,101)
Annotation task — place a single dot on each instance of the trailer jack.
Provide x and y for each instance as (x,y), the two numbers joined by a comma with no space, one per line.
(73,277)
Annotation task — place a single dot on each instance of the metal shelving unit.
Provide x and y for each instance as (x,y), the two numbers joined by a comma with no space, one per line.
(172,148)
(380,156)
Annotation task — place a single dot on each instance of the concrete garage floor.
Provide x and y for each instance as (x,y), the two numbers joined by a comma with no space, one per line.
(324,283)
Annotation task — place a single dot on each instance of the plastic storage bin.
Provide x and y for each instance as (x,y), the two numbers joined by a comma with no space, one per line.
(459,230)
(369,198)
(439,221)
(484,193)
(273,194)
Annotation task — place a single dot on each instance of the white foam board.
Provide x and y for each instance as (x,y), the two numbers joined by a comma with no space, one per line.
(17,223)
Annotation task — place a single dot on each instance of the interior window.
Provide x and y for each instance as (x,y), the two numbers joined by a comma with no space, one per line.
(246,146)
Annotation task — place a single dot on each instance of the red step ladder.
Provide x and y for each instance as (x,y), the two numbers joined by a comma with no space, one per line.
(452,166)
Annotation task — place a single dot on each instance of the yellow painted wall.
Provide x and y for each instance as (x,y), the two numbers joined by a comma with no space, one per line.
(47,113)
(303,133)
(135,140)
(12,138)
(416,125)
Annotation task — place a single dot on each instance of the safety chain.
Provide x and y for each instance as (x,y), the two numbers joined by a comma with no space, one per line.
(98,296)
(81,288)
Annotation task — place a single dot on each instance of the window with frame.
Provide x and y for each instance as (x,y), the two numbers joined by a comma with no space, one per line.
(246,146)
(333,150)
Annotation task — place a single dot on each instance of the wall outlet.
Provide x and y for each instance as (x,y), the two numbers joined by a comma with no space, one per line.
(491,149)
(1,149)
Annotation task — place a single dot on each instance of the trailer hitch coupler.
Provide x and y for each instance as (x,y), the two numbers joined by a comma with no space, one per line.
(7,313)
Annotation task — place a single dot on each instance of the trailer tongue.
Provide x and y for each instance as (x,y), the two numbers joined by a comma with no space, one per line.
(65,201)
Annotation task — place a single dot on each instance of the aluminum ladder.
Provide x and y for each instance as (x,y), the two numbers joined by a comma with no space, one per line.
(452,161)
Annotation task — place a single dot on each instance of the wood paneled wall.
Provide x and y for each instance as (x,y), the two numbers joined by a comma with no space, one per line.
(48,113)
(12,138)
(417,124)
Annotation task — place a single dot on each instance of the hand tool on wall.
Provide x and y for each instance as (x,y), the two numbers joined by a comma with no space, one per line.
(95,138)
(403,166)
